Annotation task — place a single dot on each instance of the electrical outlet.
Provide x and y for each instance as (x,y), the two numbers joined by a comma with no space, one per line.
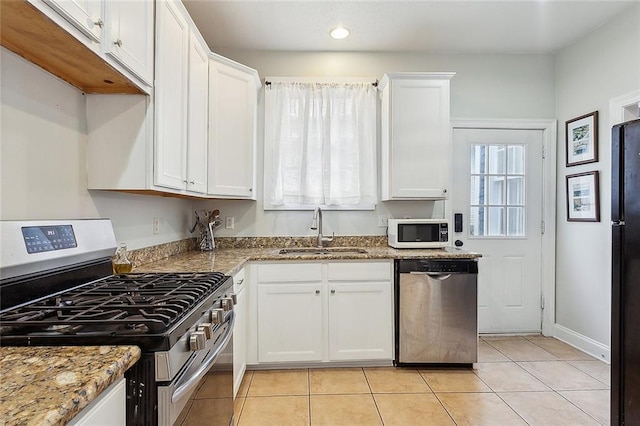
(383,221)
(230,222)
(156,225)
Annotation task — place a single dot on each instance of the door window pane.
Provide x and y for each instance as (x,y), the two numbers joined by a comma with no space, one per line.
(496,222)
(515,221)
(516,160)
(497,158)
(497,190)
(478,160)
(515,190)
(476,221)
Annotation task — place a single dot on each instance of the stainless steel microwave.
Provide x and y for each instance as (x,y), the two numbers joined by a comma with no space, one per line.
(418,233)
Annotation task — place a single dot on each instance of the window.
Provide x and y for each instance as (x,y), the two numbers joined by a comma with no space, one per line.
(497,192)
(320,144)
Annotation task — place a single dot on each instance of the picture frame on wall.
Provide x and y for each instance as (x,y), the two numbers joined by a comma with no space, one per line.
(583,200)
(581,139)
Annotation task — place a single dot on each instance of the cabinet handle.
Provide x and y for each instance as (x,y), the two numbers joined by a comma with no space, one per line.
(99,23)
(118,43)
(250,189)
(192,182)
(317,291)
(333,291)
(444,191)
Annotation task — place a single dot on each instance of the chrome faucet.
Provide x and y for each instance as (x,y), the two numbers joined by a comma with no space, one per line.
(317,224)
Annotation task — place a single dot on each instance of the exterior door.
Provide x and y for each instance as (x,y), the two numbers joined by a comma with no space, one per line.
(498,190)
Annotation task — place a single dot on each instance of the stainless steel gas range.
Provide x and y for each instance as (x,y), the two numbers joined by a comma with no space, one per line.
(58,288)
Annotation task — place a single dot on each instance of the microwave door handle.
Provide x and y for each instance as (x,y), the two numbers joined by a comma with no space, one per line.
(192,381)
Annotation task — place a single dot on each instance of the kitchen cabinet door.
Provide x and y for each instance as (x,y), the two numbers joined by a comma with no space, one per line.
(85,15)
(416,140)
(107,409)
(233,90)
(197,126)
(360,321)
(290,326)
(239,331)
(171,91)
(129,36)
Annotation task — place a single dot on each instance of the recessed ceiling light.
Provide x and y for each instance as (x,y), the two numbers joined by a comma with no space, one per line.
(339,33)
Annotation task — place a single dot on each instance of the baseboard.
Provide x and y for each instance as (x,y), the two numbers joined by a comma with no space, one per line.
(585,344)
(333,364)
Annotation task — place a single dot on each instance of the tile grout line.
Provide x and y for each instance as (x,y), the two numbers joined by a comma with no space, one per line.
(570,402)
(512,409)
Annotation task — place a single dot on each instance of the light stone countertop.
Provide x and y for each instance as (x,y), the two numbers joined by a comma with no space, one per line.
(49,385)
(231,260)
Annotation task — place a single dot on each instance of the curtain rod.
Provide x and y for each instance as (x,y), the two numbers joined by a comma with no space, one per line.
(374,83)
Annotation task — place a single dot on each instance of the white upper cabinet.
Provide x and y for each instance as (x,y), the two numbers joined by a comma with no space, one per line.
(171,91)
(85,15)
(171,142)
(129,36)
(98,46)
(233,91)
(416,136)
(198,107)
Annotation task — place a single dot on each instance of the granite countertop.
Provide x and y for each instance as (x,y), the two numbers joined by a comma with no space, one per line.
(231,260)
(49,385)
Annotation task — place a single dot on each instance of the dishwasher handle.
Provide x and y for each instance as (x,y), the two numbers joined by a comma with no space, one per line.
(434,275)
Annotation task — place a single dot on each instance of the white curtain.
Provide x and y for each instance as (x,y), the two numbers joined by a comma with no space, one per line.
(324,144)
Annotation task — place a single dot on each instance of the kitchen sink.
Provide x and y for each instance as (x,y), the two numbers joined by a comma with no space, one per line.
(322,250)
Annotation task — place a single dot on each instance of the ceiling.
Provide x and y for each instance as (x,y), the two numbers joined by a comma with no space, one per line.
(477,26)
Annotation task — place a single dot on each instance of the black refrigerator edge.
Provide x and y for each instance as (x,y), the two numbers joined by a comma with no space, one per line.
(625,274)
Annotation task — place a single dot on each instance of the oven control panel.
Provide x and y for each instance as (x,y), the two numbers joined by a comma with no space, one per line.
(40,239)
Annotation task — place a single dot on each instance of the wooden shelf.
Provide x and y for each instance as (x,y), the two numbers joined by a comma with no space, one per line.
(29,33)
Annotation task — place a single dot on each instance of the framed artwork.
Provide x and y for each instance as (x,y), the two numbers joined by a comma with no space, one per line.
(582,139)
(583,201)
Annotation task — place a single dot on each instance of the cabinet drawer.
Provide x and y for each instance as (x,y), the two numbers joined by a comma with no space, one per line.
(290,272)
(359,271)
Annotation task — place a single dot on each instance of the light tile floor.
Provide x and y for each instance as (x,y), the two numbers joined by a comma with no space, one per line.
(519,380)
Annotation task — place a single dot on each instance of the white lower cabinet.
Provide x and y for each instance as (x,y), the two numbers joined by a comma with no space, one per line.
(324,311)
(360,321)
(289,322)
(239,331)
(107,409)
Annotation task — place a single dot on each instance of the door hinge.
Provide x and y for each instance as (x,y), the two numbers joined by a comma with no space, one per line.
(544,152)
(542,227)
(542,302)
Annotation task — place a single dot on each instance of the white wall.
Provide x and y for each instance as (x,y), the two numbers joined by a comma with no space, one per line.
(485,86)
(43,149)
(602,66)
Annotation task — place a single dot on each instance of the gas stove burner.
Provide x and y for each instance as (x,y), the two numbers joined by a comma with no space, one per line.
(63,328)
(137,299)
(117,305)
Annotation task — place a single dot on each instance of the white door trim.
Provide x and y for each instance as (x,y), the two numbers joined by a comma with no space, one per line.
(618,104)
(549,136)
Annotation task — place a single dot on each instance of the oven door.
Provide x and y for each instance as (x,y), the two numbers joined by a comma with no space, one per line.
(202,393)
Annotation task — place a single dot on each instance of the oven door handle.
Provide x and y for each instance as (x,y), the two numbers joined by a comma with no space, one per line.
(185,387)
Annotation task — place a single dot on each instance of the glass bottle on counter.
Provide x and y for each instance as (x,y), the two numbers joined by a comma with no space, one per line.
(121,264)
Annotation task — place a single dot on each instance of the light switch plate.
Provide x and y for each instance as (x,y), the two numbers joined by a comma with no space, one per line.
(230,222)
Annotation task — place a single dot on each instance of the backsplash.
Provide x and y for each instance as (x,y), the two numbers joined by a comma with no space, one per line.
(161,251)
(284,242)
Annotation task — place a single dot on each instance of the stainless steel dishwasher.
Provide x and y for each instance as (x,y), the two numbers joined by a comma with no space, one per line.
(436,312)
